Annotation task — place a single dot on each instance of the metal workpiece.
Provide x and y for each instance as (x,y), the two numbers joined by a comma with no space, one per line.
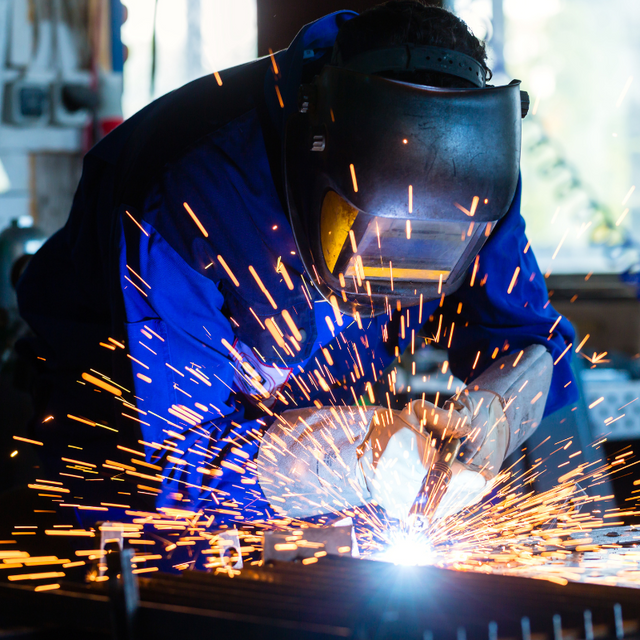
(123,592)
(339,597)
(312,542)
(307,462)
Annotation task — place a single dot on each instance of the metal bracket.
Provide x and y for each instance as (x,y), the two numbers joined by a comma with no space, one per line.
(123,592)
(287,546)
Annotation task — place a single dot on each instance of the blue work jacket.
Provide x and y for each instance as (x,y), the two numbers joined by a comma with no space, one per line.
(177,276)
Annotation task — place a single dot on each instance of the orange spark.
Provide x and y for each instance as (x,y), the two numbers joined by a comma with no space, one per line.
(228,270)
(100,383)
(292,325)
(513,280)
(555,324)
(555,253)
(28,440)
(280,100)
(282,270)
(137,224)
(353,178)
(474,206)
(139,277)
(274,330)
(562,354)
(262,287)
(476,264)
(622,217)
(515,363)
(623,93)
(83,420)
(579,347)
(276,71)
(195,219)
(336,310)
(596,402)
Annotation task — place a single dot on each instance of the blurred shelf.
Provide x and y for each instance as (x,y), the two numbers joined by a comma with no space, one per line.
(603,286)
(40,139)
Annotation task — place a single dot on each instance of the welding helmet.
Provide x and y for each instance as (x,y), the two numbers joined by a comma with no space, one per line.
(393,187)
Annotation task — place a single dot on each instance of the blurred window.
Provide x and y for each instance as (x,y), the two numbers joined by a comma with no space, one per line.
(581,151)
(192,38)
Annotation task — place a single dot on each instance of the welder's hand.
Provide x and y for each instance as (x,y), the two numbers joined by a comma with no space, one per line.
(397,452)
(465,489)
(425,416)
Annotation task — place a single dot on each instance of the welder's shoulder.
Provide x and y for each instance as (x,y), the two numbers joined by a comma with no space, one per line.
(165,129)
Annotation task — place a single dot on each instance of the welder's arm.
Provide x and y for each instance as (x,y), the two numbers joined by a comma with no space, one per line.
(507,306)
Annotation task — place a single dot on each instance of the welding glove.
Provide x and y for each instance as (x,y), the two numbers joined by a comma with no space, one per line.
(503,406)
(314,461)
(399,449)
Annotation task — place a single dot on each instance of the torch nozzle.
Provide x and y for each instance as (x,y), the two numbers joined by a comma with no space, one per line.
(436,482)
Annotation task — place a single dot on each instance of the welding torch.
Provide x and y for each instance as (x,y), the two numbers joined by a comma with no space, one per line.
(436,481)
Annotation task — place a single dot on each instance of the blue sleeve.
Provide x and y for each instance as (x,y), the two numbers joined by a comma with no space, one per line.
(493,317)
(194,423)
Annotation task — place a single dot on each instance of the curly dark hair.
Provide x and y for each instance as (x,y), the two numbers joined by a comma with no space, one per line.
(410,22)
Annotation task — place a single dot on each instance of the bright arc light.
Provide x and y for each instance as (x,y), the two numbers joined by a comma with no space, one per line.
(408,548)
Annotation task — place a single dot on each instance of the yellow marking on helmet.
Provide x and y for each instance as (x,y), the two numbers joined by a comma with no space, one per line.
(337,218)
(402,274)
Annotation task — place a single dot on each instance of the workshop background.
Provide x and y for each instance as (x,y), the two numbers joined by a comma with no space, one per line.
(72,70)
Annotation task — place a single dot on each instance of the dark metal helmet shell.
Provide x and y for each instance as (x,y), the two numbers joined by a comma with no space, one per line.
(394,187)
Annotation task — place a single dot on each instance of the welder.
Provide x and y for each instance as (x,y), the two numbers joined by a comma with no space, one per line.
(247,255)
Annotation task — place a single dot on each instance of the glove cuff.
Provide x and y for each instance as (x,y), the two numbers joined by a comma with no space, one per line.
(485,447)
(308,462)
(523,380)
